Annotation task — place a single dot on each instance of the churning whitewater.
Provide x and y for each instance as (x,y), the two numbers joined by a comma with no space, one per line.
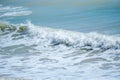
(38,53)
(31,52)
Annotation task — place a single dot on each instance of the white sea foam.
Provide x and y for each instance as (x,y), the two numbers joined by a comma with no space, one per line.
(41,53)
(56,37)
(22,13)
(75,38)
(7,11)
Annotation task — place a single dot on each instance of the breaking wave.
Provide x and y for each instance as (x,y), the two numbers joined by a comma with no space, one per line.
(31,34)
(56,51)
(41,53)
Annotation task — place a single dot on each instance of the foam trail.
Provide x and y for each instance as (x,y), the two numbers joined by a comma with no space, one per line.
(22,13)
(7,11)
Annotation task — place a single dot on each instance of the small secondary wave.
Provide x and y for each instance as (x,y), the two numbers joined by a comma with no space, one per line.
(8,11)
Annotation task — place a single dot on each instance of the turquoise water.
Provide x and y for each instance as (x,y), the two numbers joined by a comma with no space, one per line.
(60,39)
(78,15)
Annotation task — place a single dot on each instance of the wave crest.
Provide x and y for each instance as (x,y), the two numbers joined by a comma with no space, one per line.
(53,37)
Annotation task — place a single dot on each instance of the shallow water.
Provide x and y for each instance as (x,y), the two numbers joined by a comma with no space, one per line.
(81,40)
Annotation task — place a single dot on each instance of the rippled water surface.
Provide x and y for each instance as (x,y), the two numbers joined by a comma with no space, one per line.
(81,40)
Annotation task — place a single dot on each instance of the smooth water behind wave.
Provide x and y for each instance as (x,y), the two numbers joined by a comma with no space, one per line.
(101,16)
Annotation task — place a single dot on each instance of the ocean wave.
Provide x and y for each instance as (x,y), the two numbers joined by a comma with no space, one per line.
(41,36)
(41,53)
(7,11)
(32,49)
(22,13)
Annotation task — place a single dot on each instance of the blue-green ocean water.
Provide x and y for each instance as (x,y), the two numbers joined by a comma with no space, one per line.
(60,39)
(79,15)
